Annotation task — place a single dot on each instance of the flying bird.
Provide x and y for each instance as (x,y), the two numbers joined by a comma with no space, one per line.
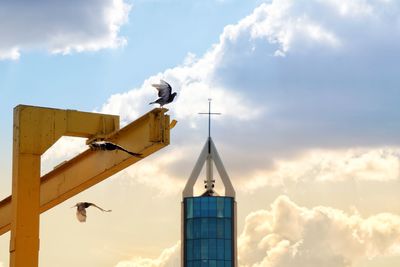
(81,210)
(164,93)
(103,145)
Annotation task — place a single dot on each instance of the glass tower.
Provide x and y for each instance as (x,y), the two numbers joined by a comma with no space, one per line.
(208,231)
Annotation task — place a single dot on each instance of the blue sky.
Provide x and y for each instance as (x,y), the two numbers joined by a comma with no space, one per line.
(309,94)
(159,36)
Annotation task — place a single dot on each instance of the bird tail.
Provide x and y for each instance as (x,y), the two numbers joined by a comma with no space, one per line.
(138,155)
(131,153)
(154,102)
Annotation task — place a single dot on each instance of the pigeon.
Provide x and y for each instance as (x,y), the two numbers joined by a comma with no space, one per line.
(81,210)
(103,145)
(164,93)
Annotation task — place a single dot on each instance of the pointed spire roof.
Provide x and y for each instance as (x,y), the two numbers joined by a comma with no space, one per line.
(210,156)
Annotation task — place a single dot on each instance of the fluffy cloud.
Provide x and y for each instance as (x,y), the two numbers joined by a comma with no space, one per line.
(170,257)
(64,149)
(152,173)
(298,84)
(290,235)
(381,165)
(293,76)
(192,82)
(324,70)
(60,26)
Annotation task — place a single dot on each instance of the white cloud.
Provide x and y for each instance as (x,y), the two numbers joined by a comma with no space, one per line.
(152,173)
(292,76)
(12,54)
(382,165)
(296,83)
(64,149)
(193,85)
(283,22)
(290,235)
(61,26)
(317,67)
(170,257)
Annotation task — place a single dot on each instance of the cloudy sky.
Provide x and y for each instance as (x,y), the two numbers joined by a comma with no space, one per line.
(309,93)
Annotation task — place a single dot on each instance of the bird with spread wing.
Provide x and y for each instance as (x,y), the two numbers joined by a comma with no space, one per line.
(164,93)
(81,210)
(103,145)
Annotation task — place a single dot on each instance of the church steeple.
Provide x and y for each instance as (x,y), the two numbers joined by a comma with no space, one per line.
(210,156)
(209,237)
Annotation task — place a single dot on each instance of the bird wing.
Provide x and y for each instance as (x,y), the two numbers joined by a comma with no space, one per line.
(81,215)
(110,146)
(164,89)
(94,205)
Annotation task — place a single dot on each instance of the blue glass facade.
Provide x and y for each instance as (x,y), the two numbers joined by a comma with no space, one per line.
(208,231)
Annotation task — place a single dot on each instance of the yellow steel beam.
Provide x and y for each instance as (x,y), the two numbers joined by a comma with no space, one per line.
(35,130)
(145,135)
(39,128)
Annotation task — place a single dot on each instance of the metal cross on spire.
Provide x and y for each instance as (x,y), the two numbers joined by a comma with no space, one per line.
(209,113)
(209,166)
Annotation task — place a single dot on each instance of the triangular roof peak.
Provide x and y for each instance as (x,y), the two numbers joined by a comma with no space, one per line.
(209,155)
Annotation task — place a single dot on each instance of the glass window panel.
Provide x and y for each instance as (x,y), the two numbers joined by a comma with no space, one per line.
(228,228)
(204,206)
(220,207)
(189,207)
(212,228)
(204,249)
(228,207)
(228,249)
(189,250)
(196,228)
(196,207)
(220,264)
(220,249)
(189,263)
(196,264)
(212,207)
(228,263)
(220,228)
(204,228)
(212,249)
(204,263)
(212,263)
(196,249)
(189,229)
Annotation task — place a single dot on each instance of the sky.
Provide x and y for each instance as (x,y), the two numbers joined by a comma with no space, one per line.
(308,92)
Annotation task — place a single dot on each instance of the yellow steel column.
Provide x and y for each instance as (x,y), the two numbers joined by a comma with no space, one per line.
(25,210)
(25,196)
(35,130)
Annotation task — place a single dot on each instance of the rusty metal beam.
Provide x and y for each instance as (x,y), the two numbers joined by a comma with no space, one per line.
(145,135)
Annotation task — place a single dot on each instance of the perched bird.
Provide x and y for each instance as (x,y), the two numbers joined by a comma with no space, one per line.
(164,93)
(103,145)
(81,210)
